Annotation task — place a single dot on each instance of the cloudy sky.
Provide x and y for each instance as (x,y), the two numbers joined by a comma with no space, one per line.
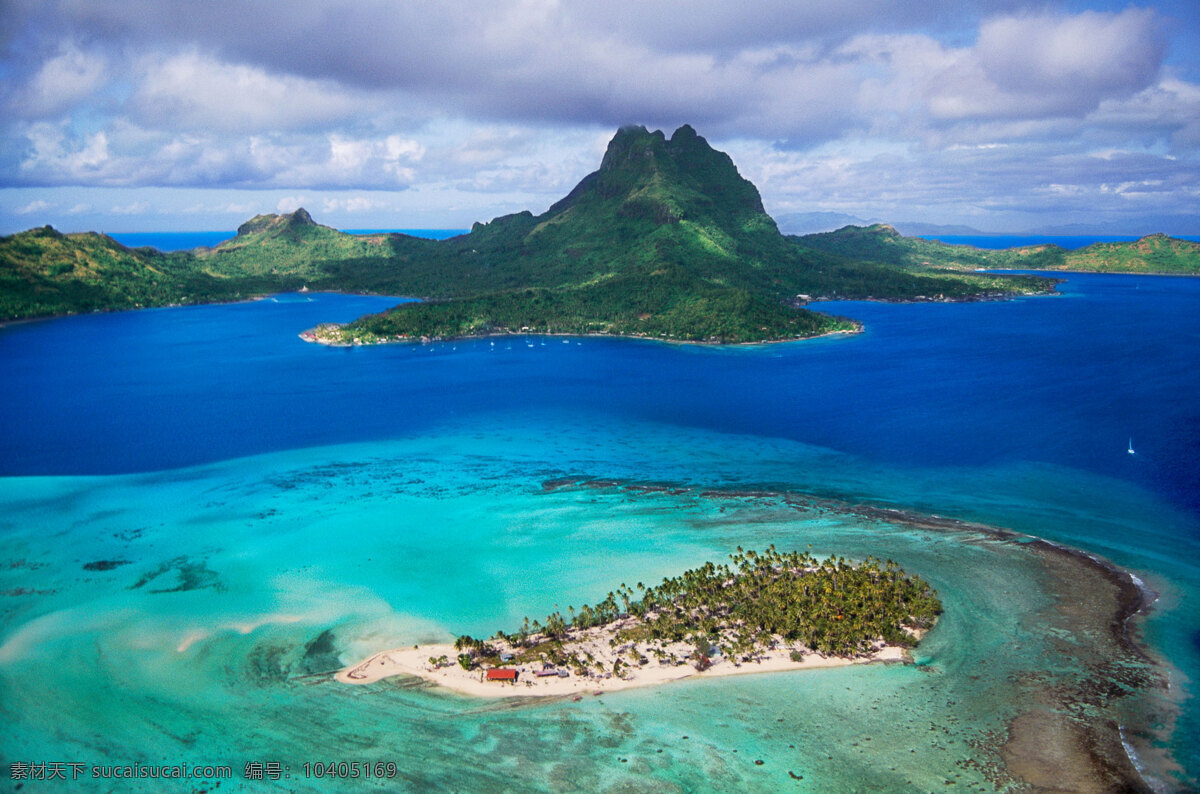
(146,115)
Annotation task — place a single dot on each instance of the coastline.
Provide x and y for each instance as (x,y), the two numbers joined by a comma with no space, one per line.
(312,336)
(982,298)
(316,334)
(415,661)
(1102,729)
(1053,272)
(1055,742)
(119,309)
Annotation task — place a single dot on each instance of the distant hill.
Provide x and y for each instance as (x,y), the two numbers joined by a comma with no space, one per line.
(1179,224)
(882,243)
(44,273)
(814,222)
(913,228)
(291,245)
(803,223)
(1153,254)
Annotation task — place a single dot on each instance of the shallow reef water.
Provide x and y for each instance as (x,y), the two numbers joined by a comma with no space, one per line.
(203,515)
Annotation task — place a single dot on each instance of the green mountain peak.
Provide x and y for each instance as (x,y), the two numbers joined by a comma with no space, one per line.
(677,194)
(276,224)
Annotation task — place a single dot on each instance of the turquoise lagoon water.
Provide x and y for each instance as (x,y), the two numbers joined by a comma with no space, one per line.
(203,515)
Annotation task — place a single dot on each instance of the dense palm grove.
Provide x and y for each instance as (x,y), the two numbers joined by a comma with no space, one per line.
(831,606)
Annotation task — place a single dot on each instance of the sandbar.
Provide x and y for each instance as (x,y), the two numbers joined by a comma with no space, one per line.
(415,661)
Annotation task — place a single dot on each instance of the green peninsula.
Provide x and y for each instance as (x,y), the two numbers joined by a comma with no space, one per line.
(45,273)
(1154,254)
(666,240)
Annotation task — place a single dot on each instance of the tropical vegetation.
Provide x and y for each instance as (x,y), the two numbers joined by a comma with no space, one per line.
(665,240)
(758,600)
(1152,254)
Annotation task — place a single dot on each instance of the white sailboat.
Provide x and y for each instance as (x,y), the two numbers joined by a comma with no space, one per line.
(1131,452)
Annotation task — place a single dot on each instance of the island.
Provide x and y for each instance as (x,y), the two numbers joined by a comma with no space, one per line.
(762,612)
(665,240)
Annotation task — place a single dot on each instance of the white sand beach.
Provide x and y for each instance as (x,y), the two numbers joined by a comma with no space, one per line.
(415,661)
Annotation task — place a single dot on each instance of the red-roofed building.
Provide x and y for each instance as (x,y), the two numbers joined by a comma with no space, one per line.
(502,674)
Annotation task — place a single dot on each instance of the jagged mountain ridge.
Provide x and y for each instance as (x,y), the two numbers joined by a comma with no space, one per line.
(665,239)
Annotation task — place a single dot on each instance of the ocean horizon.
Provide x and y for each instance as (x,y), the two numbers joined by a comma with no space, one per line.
(203,516)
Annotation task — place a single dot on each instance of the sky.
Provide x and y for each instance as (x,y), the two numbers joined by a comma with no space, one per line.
(143,115)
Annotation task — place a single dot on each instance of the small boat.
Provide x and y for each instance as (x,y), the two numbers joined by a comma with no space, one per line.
(1131,452)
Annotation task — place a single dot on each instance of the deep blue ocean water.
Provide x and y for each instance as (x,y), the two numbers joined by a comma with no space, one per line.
(1016,413)
(172,241)
(185,241)
(1066,380)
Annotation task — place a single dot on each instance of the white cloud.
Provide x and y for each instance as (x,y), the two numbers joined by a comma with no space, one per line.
(54,151)
(828,103)
(1167,110)
(352,204)
(37,205)
(194,90)
(133,208)
(61,81)
(344,161)
(241,209)
(1036,66)
(398,148)
(289,204)
(127,154)
(1086,52)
